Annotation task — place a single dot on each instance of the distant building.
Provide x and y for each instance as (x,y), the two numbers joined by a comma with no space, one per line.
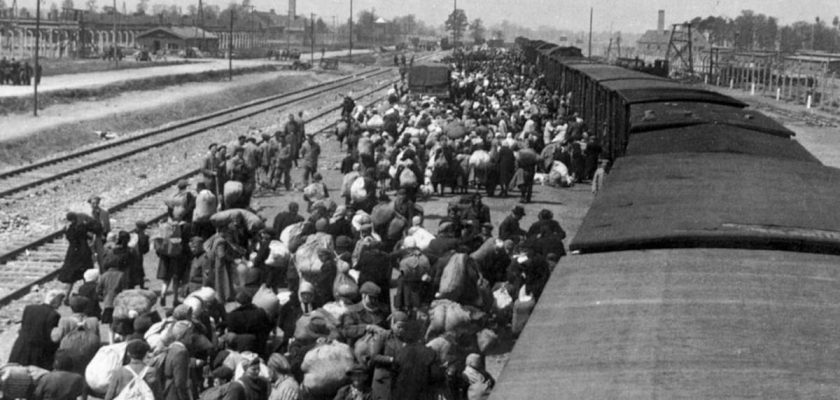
(177,38)
(653,45)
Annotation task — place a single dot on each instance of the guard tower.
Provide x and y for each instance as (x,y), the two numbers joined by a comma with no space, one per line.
(680,54)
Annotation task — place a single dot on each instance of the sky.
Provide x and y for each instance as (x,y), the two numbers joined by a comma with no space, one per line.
(632,16)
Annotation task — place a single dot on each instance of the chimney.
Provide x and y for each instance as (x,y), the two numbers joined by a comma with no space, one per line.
(292,9)
(660,25)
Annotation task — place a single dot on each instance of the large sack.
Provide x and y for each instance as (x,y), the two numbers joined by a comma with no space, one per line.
(528,157)
(452,280)
(306,257)
(233,192)
(521,313)
(314,191)
(168,240)
(279,255)
(344,279)
(18,381)
(205,206)
(414,265)
(486,338)
(291,233)
(365,146)
(302,331)
(480,159)
(407,178)
(382,214)
(327,203)
(139,300)
(396,227)
(245,218)
(267,300)
(325,368)
(205,294)
(369,345)
(357,190)
(446,316)
(82,345)
(421,236)
(100,370)
(485,250)
(179,203)
(347,182)
(375,122)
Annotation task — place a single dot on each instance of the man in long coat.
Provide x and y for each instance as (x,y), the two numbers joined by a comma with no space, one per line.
(507,167)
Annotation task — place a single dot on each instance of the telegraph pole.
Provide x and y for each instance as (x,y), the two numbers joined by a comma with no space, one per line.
(114,42)
(37,44)
(590,31)
(350,56)
(230,48)
(312,38)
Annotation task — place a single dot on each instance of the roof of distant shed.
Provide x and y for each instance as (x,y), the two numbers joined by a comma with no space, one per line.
(713,138)
(687,324)
(713,200)
(182,32)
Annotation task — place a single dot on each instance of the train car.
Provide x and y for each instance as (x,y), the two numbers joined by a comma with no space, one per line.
(430,79)
(705,268)
(699,275)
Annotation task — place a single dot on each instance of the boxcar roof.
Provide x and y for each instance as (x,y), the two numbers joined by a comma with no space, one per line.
(429,75)
(714,200)
(714,138)
(566,52)
(634,91)
(605,72)
(687,324)
(651,116)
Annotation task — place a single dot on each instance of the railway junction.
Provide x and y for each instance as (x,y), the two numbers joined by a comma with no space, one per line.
(420,246)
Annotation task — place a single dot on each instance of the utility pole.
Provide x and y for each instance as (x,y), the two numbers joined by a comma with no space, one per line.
(201,25)
(37,44)
(114,51)
(230,47)
(590,31)
(350,56)
(312,38)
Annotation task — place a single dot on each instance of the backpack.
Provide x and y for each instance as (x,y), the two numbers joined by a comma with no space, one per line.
(81,343)
(169,243)
(137,389)
(101,368)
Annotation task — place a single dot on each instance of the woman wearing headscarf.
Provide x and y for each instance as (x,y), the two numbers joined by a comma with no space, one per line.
(34,345)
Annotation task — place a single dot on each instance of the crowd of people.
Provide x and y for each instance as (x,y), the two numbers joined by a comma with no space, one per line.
(13,72)
(354,297)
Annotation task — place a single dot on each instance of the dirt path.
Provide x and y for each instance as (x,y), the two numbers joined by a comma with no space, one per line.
(16,126)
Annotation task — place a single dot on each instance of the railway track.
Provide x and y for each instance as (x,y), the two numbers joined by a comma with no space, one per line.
(37,261)
(30,176)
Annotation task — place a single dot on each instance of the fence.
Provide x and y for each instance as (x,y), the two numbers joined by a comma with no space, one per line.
(784,81)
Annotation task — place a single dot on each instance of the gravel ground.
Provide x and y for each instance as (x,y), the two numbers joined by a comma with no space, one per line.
(41,210)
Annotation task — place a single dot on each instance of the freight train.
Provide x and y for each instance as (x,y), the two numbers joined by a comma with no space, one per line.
(708,266)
